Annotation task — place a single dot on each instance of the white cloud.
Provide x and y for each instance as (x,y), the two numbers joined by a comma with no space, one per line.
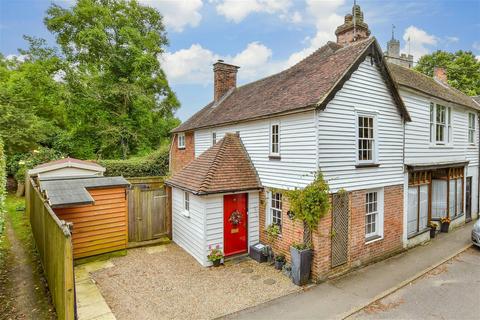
(194,65)
(177,14)
(478,58)
(476,45)
(323,15)
(451,39)
(421,42)
(236,11)
(16,57)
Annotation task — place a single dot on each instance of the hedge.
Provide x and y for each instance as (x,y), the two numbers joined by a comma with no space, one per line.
(3,182)
(155,164)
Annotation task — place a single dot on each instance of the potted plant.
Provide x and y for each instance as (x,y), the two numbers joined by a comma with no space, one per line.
(433,229)
(215,255)
(279,261)
(273,231)
(444,224)
(309,205)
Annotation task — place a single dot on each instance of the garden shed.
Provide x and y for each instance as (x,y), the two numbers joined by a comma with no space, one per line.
(67,167)
(215,201)
(96,207)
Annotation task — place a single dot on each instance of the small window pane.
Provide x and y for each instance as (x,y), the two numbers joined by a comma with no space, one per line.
(365,138)
(276,209)
(186,201)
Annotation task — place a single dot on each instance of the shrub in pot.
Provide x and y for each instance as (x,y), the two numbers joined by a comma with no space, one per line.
(433,229)
(279,261)
(444,224)
(308,205)
(215,255)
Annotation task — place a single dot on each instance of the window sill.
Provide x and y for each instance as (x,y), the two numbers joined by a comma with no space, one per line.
(441,146)
(413,235)
(181,148)
(373,239)
(367,165)
(451,219)
(185,213)
(274,157)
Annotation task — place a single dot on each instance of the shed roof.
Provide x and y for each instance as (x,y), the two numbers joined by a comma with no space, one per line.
(420,82)
(66,163)
(225,167)
(311,83)
(61,192)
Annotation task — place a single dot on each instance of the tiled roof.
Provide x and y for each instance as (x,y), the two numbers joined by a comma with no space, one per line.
(305,85)
(225,167)
(420,82)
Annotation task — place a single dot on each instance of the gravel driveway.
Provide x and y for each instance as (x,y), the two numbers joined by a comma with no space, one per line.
(165,282)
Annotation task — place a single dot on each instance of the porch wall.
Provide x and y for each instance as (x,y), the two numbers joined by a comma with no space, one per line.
(359,253)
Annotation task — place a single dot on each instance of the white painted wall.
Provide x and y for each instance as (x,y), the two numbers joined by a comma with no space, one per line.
(204,226)
(337,133)
(189,232)
(297,148)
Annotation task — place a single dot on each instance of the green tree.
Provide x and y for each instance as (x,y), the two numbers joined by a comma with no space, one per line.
(463,69)
(31,100)
(119,101)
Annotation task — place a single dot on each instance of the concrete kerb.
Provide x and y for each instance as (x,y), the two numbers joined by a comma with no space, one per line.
(401,284)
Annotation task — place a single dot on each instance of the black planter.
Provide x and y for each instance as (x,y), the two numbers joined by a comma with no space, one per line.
(279,264)
(301,265)
(216,263)
(444,226)
(432,233)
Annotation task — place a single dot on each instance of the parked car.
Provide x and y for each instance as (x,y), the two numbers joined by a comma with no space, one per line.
(476,233)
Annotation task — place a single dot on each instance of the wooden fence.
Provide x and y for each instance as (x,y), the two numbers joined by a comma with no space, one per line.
(54,244)
(148,214)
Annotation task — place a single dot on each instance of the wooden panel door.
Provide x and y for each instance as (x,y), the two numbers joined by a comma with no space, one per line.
(235,223)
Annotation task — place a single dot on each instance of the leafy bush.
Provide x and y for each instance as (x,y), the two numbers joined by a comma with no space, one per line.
(32,159)
(310,204)
(155,164)
(3,181)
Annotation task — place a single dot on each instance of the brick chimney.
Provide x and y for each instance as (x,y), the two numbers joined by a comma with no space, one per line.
(440,74)
(353,28)
(225,78)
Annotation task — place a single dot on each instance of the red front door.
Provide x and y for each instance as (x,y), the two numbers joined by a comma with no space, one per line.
(235,223)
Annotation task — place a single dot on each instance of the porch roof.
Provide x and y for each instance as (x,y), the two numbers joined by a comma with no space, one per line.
(436,165)
(225,167)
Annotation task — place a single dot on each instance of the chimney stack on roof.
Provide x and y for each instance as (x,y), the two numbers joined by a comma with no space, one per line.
(225,78)
(353,28)
(440,74)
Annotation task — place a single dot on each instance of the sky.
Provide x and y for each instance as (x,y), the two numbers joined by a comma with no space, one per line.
(264,37)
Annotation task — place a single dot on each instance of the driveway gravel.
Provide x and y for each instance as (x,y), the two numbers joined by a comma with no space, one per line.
(165,282)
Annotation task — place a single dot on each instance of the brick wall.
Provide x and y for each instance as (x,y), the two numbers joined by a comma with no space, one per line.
(179,158)
(359,253)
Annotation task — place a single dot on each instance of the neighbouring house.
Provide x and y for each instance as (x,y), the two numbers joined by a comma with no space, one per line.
(95,206)
(67,167)
(441,153)
(402,145)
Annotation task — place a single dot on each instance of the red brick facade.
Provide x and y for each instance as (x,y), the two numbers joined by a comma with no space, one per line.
(180,157)
(359,252)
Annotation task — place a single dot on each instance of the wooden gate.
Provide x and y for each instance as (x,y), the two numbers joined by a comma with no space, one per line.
(340,217)
(147,211)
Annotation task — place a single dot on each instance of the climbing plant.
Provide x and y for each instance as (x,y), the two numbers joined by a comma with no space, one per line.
(310,204)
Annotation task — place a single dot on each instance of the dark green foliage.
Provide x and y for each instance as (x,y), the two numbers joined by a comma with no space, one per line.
(119,102)
(3,182)
(155,164)
(463,69)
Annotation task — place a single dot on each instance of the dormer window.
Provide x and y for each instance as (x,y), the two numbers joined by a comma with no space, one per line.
(181,140)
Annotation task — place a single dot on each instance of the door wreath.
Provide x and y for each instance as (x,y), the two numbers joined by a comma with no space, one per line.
(235,218)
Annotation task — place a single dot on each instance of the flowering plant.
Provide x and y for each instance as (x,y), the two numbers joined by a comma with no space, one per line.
(432,225)
(215,253)
(445,220)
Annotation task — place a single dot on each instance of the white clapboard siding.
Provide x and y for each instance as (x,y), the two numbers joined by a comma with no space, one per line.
(189,232)
(297,148)
(364,91)
(417,133)
(214,220)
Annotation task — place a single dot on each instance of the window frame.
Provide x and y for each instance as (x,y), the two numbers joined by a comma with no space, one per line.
(374,159)
(471,129)
(447,125)
(186,204)
(379,220)
(214,138)
(181,138)
(271,143)
(269,212)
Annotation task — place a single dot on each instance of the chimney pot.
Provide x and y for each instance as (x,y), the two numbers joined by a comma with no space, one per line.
(225,78)
(440,74)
